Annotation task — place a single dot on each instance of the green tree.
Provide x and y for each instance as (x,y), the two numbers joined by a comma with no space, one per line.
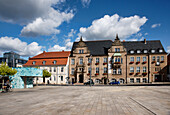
(46,74)
(5,70)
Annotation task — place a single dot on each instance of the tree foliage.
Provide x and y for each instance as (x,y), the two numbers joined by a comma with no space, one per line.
(5,70)
(46,73)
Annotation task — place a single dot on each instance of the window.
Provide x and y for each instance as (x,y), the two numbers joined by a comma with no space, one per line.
(72,71)
(160,50)
(144,80)
(54,61)
(89,70)
(119,71)
(54,78)
(152,51)
(131,80)
(62,69)
(158,59)
(162,58)
(81,69)
(97,60)
(138,59)
(44,62)
(81,51)
(118,59)
(72,61)
(132,52)
(121,60)
(114,71)
(89,60)
(138,69)
(50,69)
(138,80)
(153,58)
(144,59)
(145,51)
(54,69)
(144,69)
(105,60)
(61,78)
(105,70)
(131,59)
(33,62)
(117,49)
(138,51)
(81,61)
(131,69)
(97,70)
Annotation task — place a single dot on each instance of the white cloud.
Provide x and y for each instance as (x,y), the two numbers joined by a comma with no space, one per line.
(15,44)
(71,33)
(68,46)
(168,49)
(146,34)
(155,25)
(85,3)
(108,26)
(38,16)
(133,39)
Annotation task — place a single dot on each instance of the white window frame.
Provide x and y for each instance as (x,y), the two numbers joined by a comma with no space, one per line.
(138,59)
(105,60)
(81,61)
(131,69)
(144,69)
(105,70)
(144,59)
(97,70)
(137,69)
(72,61)
(131,59)
(162,58)
(114,71)
(119,71)
(97,60)
(72,71)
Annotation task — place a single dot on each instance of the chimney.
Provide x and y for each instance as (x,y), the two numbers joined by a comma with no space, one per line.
(123,40)
(43,51)
(62,50)
(145,41)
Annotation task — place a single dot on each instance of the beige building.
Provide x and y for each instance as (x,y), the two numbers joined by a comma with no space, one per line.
(127,62)
(54,62)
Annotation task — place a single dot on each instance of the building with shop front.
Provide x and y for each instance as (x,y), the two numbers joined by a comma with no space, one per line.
(12,59)
(124,61)
(54,62)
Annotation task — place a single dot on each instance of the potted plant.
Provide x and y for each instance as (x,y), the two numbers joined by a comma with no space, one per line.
(131,73)
(137,62)
(144,62)
(96,63)
(131,62)
(137,73)
(97,74)
(104,73)
(144,73)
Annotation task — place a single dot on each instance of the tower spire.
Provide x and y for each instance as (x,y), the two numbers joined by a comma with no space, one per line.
(117,38)
(81,39)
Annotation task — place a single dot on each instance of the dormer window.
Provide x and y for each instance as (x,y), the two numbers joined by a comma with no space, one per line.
(132,52)
(81,51)
(44,62)
(160,50)
(145,51)
(152,51)
(33,62)
(138,51)
(54,61)
(117,49)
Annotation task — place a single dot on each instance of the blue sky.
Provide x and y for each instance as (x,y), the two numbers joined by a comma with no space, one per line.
(30,27)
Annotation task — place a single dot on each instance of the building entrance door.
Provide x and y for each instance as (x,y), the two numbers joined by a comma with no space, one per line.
(157,78)
(105,80)
(81,79)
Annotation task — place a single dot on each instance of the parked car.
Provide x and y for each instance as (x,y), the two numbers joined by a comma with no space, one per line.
(88,83)
(114,82)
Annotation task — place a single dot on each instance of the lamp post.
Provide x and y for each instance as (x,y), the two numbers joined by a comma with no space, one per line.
(90,68)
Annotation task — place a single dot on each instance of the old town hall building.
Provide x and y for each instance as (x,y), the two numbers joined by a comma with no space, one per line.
(126,61)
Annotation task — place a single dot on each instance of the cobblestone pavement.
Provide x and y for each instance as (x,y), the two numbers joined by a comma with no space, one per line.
(85,100)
